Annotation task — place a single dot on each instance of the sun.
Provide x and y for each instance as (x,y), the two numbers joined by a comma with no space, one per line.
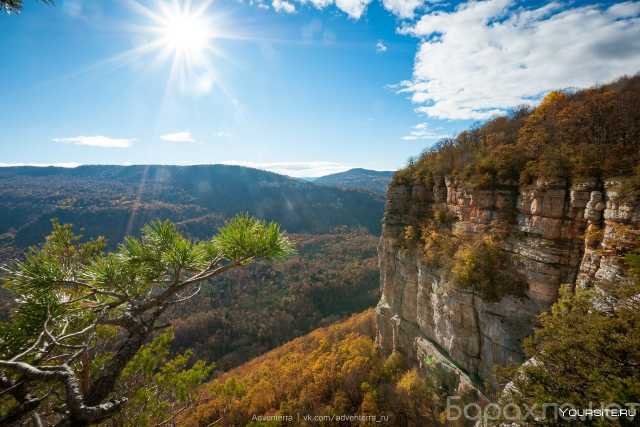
(186,33)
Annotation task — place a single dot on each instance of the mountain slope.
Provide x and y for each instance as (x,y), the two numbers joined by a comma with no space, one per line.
(358,179)
(332,372)
(116,200)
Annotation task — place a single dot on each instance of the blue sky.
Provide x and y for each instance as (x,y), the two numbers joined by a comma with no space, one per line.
(303,88)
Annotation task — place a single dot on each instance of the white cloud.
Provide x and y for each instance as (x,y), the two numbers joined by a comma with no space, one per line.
(223,134)
(261,4)
(422,132)
(381,47)
(318,4)
(488,56)
(283,6)
(402,8)
(97,141)
(353,8)
(178,137)
(625,10)
(294,169)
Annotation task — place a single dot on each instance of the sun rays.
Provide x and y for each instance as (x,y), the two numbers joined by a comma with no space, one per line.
(182,33)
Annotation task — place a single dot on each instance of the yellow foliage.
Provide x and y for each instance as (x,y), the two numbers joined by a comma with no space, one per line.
(334,370)
(369,404)
(409,233)
(592,133)
(439,244)
(410,383)
(481,266)
(553,98)
(393,366)
(593,236)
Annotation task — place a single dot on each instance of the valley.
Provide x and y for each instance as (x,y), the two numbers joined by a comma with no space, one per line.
(247,312)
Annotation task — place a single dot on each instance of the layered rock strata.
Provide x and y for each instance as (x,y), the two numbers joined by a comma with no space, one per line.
(553,232)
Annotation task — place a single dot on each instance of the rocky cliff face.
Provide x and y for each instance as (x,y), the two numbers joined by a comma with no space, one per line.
(554,233)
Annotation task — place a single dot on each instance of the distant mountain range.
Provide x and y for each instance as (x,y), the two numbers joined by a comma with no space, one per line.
(358,179)
(116,200)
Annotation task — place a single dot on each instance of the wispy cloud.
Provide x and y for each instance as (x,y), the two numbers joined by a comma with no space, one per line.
(224,134)
(178,137)
(422,132)
(381,47)
(97,141)
(294,169)
(283,6)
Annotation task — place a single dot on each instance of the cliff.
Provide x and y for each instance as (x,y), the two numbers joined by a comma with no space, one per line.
(551,232)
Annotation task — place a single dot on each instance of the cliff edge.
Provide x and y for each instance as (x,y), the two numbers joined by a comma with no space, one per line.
(482,230)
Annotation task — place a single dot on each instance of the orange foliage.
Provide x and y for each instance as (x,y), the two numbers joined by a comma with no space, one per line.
(591,133)
(336,370)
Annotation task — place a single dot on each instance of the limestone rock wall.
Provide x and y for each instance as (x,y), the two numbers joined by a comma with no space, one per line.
(555,233)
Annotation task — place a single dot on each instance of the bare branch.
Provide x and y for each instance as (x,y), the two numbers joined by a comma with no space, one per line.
(35,419)
(78,333)
(172,417)
(205,274)
(183,299)
(30,349)
(163,326)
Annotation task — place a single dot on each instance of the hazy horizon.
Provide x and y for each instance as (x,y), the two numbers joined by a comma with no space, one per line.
(294,170)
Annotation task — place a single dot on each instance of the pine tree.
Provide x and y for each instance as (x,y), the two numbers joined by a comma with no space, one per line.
(84,315)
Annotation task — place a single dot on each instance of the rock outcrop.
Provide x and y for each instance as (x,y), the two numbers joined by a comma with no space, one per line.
(553,232)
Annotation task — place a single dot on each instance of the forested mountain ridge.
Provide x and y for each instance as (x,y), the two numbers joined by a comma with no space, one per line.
(358,179)
(113,201)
